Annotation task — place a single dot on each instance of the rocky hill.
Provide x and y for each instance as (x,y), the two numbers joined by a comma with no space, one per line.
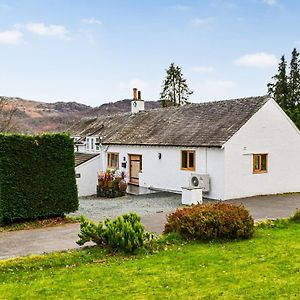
(33,117)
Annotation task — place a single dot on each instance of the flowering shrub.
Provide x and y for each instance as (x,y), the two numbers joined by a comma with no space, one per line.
(112,179)
(211,221)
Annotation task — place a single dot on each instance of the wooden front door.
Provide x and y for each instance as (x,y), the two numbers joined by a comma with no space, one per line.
(135,168)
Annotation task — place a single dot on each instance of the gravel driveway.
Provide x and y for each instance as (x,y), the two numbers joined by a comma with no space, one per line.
(153,208)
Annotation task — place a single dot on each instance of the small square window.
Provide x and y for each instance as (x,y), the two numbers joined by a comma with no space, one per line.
(260,163)
(188,160)
(113,160)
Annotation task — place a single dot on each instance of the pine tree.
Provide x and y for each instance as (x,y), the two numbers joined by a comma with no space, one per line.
(279,90)
(294,81)
(175,90)
(286,89)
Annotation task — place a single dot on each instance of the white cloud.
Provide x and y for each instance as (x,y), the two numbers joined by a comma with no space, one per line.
(91,21)
(258,60)
(270,2)
(41,29)
(11,37)
(203,22)
(133,83)
(138,83)
(202,69)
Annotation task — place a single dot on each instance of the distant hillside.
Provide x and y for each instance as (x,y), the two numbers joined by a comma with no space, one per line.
(36,117)
(119,107)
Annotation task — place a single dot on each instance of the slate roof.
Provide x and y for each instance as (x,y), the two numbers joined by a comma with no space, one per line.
(81,158)
(208,124)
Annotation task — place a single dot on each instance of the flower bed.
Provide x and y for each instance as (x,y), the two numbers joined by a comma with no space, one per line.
(111,184)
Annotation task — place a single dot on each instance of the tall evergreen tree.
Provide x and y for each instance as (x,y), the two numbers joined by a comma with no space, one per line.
(294,81)
(286,89)
(279,90)
(175,89)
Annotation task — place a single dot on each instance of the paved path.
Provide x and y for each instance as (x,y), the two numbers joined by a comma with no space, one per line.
(271,207)
(38,241)
(153,210)
(58,238)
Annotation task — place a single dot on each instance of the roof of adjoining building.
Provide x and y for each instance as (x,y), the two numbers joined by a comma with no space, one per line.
(81,158)
(208,124)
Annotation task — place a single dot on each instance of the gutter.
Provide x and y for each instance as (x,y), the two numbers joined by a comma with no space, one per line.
(164,145)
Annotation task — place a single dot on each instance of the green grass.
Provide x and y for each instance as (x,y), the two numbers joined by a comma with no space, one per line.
(38,223)
(265,267)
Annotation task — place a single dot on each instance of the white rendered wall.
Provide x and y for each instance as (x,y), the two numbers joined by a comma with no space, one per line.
(87,183)
(166,174)
(268,131)
(80,148)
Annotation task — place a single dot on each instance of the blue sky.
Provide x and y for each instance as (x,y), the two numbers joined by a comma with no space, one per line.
(94,51)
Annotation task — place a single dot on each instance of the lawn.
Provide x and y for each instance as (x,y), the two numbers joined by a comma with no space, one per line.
(265,267)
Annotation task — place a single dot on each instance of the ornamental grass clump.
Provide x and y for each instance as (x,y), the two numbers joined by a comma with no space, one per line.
(211,221)
(125,233)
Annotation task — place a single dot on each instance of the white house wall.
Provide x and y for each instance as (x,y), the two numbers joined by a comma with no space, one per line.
(268,131)
(166,174)
(87,183)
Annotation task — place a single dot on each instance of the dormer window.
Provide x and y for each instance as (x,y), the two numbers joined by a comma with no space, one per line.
(92,143)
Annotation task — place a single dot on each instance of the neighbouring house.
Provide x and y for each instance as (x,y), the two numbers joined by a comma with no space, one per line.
(241,147)
(87,166)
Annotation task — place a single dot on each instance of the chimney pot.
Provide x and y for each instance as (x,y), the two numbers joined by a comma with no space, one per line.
(139,95)
(135,94)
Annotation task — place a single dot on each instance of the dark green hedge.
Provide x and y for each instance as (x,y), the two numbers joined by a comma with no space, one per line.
(37,176)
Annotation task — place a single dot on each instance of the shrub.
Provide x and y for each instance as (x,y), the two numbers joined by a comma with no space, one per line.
(277,223)
(211,221)
(37,176)
(124,233)
(296,216)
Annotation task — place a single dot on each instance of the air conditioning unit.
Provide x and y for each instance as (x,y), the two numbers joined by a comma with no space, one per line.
(200,181)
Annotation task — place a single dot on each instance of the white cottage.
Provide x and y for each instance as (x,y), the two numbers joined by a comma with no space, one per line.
(241,147)
(87,166)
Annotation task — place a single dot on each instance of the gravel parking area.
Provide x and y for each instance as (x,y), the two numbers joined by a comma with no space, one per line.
(144,205)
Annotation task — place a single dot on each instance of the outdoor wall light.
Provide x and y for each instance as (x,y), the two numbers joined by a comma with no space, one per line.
(159,155)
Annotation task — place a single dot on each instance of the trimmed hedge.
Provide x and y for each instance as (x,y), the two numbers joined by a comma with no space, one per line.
(37,176)
(211,221)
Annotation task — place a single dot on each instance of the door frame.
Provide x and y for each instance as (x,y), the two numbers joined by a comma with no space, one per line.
(140,160)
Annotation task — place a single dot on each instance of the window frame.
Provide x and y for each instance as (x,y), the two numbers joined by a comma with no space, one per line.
(188,168)
(259,170)
(87,143)
(92,143)
(109,154)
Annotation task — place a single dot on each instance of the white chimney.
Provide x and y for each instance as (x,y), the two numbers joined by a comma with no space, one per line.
(137,104)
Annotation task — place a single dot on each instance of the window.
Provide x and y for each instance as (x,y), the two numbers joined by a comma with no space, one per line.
(113,160)
(92,143)
(260,163)
(188,160)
